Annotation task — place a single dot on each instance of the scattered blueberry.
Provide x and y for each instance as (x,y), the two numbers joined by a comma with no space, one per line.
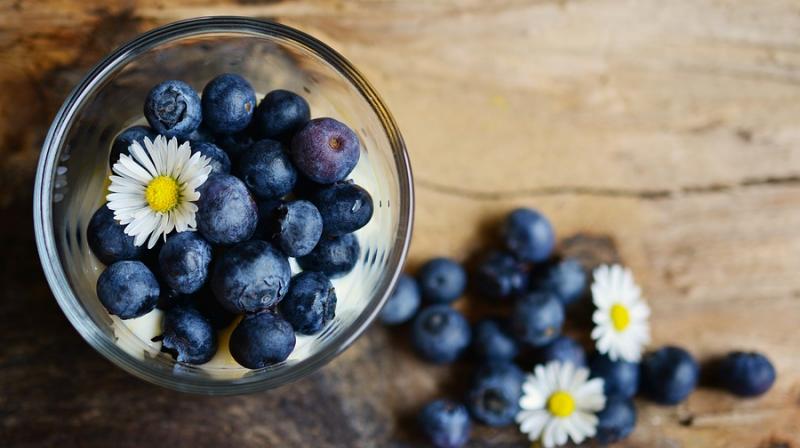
(226,214)
(537,318)
(183,262)
(281,114)
(333,256)
(669,375)
(500,275)
(261,340)
(747,374)
(228,104)
(345,207)
(619,377)
(441,280)
(325,150)
(188,336)
(128,289)
(126,138)
(107,239)
(566,279)
(402,303)
(220,162)
(235,144)
(440,334)
(529,235)
(298,228)
(493,398)
(250,277)
(564,349)
(310,303)
(445,424)
(266,170)
(616,421)
(172,109)
(491,341)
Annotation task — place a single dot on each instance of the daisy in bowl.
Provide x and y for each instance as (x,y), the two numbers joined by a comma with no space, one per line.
(559,402)
(153,190)
(622,328)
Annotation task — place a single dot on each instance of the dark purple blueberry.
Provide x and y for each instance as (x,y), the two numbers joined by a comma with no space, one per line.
(188,336)
(228,104)
(440,334)
(492,341)
(183,262)
(566,279)
(107,239)
(325,150)
(333,256)
(226,214)
(493,398)
(620,377)
(669,375)
(529,235)
(298,227)
(616,421)
(126,138)
(537,318)
(128,289)
(266,170)
(235,144)
(310,303)
(172,109)
(563,349)
(345,207)
(747,374)
(219,161)
(402,303)
(261,340)
(251,276)
(500,275)
(280,115)
(441,280)
(445,424)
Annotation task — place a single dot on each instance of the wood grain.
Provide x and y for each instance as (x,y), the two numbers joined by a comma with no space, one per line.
(664,134)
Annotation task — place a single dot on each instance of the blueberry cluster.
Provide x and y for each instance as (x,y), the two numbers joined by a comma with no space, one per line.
(532,290)
(278,189)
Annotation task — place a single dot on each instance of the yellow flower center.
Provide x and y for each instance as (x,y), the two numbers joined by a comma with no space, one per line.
(561,404)
(620,317)
(162,194)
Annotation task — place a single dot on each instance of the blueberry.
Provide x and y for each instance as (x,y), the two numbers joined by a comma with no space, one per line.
(537,318)
(281,114)
(235,144)
(528,235)
(250,277)
(747,374)
(402,303)
(345,207)
(128,289)
(616,421)
(565,279)
(310,303)
(333,256)
(226,214)
(266,218)
(440,334)
(491,341)
(126,138)
(188,336)
(564,349)
(445,424)
(325,150)
(669,375)
(261,340)
(298,228)
(493,398)
(107,239)
(500,275)
(219,161)
(619,377)
(441,280)
(266,170)
(172,109)
(183,262)
(228,104)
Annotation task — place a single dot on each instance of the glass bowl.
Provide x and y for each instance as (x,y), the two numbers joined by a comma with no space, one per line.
(73,167)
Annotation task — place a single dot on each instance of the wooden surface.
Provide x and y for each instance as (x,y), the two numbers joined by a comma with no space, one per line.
(664,133)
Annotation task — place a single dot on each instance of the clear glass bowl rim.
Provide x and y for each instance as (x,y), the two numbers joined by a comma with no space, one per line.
(46,171)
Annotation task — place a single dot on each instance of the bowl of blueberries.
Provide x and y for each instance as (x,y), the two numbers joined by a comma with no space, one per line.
(222,205)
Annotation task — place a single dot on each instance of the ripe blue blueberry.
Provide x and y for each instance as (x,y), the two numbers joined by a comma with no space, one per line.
(298,228)
(235,144)
(529,235)
(266,170)
(228,104)
(500,275)
(219,161)
(226,213)
(261,340)
(325,150)
(747,374)
(128,289)
(619,377)
(310,303)
(345,207)
(251,276)
(491,341)
(126,138)
(440,334)
(616,421)
(564,349)
(172,109)
(441,280)
(537,318)
(333,256)
(107,239)
(445,424)
(493,398)
(566,279)
(402,303)
(183,262)
(669,375)
(188,336)
(280,115)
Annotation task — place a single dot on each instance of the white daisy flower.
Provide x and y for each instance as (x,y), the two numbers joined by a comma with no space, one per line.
(622,328)
(153,191)
(559,402)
